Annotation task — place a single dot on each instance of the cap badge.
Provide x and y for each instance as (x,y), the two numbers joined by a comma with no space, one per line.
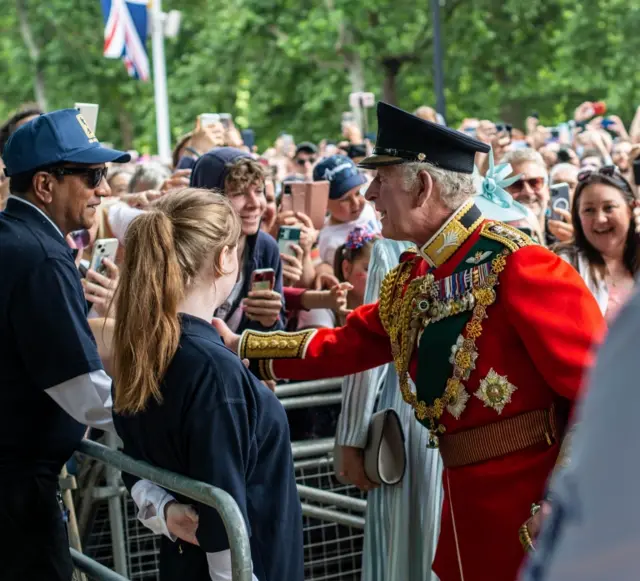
(87,130)
(421,157)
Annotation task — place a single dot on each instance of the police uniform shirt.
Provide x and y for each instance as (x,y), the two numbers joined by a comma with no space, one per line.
(47,349)
(218,424)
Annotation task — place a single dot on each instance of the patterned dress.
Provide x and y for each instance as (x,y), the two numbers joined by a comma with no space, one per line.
(402,522)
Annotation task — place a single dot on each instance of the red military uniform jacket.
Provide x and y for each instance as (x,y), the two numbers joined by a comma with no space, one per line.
(490,327)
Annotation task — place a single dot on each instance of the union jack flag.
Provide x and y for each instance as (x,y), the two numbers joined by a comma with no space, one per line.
(125,33)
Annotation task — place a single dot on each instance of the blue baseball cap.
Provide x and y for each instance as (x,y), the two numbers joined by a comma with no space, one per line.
(53,138)
(341,173)
(211,170)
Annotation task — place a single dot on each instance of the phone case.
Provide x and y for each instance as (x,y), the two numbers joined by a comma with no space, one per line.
(288,235)
(103,248)
(311,198)
(263,279)
(559,200)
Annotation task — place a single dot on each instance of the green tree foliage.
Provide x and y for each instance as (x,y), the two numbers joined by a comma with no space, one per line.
(289,65)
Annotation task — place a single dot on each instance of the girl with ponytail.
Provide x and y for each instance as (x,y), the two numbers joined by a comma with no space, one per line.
(184,402)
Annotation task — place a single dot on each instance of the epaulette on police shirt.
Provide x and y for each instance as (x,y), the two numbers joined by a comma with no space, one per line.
(508,236)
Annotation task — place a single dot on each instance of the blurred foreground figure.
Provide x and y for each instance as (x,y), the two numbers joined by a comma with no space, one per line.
(593,531)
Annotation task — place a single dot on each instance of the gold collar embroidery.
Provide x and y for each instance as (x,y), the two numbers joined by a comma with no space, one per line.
(453,233)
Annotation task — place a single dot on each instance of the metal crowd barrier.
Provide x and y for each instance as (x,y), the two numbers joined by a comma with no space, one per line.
(334,513)
(206,494)
(94,569)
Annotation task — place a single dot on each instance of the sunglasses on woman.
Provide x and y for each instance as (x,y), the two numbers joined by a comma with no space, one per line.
(535,184)
(608,171)
(93,175)
(611,175)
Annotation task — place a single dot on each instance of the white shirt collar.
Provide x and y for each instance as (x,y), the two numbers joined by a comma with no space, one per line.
(12,197)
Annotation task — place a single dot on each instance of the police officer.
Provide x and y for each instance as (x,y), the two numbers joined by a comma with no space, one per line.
(52,382)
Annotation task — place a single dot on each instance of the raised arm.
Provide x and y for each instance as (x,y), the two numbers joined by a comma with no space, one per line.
(360,344)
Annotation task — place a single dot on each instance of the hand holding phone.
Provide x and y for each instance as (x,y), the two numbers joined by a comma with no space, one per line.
(560,200)
(263,304)
(99,289)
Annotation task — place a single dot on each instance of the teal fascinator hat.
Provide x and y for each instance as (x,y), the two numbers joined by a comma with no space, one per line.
(491,197)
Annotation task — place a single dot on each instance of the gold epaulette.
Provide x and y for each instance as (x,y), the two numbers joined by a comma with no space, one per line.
(274,345)
(508,236)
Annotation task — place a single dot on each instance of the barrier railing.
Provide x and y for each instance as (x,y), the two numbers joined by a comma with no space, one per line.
(93,568)
(206,494)
(323,505)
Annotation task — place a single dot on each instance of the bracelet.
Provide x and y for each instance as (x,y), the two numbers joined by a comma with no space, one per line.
(525,539)
(193,151)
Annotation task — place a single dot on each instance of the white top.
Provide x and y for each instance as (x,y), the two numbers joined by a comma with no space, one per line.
(316,319)
(333,236)
(120,217)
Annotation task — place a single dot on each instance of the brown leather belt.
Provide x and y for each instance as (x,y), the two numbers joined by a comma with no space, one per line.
(501,438)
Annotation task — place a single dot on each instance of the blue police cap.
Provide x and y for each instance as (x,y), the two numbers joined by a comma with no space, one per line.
(405,138)
(57,137)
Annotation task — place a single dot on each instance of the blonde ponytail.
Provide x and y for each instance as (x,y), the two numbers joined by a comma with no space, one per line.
(165,249)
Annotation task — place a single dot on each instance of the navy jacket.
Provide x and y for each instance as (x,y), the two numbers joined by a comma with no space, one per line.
(45,340)
(218,424)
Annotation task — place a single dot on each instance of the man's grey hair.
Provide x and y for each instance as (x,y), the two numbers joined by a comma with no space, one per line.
(455,187)
(148,176)
(561,168)
(518,156)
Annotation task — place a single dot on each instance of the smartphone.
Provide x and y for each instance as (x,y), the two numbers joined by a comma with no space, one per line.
(559,200)
(103,248)
(248,138)
(286,202)
(606,123)
(81,238)
(310,198)
(636,172)
(263,279)
(288,235)
(90,113)
(364,100)
(226,119)
(207,119)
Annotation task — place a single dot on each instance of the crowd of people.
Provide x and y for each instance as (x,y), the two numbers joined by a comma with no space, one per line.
(165,299)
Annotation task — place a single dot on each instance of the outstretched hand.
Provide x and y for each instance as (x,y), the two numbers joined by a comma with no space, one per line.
(231,340)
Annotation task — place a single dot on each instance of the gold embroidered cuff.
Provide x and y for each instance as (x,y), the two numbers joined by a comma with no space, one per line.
(274,345)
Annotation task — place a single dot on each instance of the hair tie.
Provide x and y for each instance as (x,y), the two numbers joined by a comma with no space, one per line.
(358,237)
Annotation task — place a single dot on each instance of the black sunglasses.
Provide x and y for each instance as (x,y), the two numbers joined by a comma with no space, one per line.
(94,175)
(302,162)
(609,172)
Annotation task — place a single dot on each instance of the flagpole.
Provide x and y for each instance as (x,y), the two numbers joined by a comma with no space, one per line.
(160,81)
